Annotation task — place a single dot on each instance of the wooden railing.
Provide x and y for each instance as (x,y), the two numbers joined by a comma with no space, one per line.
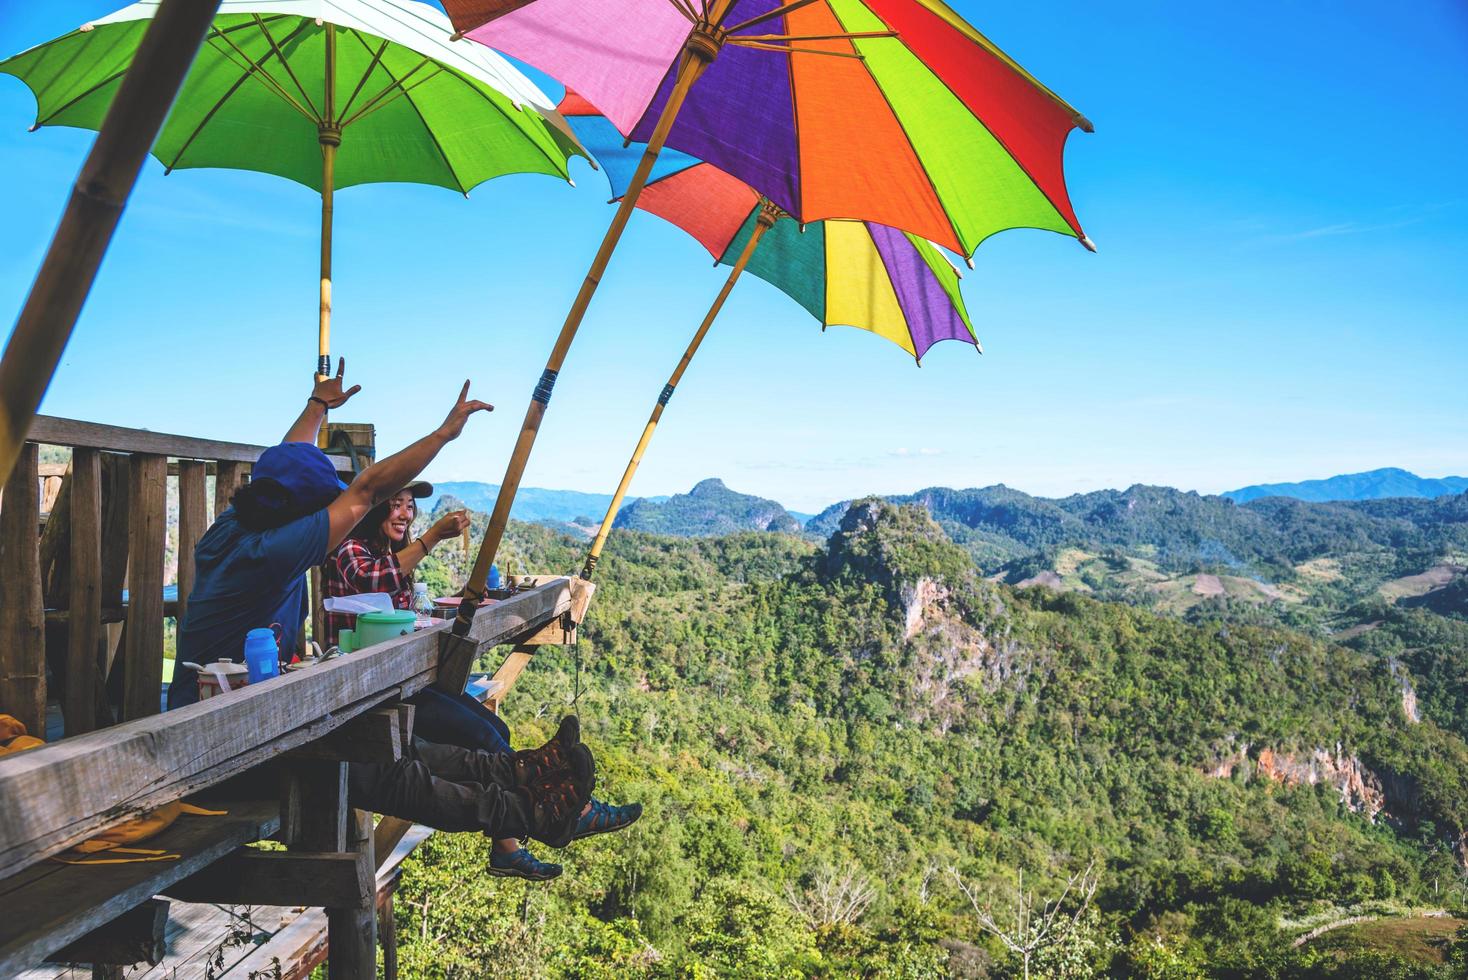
(108,522)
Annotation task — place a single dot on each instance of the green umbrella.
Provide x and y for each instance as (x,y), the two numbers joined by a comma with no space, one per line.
(328,93)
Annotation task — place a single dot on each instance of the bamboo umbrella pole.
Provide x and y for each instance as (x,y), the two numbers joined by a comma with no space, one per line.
(699,52)
(102,188)
(768,215)
(330,135)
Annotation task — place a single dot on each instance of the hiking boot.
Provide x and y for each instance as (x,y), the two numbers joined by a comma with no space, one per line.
(521,864)
(603,818)
(557,799)
(534,764)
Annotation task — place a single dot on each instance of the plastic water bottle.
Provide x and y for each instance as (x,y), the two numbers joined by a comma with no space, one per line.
(262,655)
(494,575)
(422,605)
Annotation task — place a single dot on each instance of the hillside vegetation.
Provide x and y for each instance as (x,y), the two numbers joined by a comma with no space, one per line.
(848,750)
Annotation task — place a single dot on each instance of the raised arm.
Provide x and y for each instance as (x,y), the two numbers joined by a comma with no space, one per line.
(387,476)
(327,394)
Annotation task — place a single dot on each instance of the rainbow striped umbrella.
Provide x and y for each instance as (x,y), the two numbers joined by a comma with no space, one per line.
(844,272)
(857,273)
(891,111)
(913,119)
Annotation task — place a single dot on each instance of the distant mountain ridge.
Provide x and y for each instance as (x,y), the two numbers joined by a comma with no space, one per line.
(532,504)
(1373,485)
(709,509)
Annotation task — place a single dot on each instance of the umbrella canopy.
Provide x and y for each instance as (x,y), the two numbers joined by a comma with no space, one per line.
(328,93)
(408,105)
(854,273)
(911,119)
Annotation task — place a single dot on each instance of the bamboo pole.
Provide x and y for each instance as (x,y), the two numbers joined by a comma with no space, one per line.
(50,313)
(768,215)
(699,52)
(330,136)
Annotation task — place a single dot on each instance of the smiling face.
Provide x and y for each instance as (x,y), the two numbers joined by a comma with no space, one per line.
(400,513)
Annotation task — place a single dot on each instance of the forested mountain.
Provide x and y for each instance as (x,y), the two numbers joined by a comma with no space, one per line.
(849,750)
(531,503)
(1373,485)
(1303,564)
(710,508)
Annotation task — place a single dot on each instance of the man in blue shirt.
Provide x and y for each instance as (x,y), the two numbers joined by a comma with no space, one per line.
(250,569)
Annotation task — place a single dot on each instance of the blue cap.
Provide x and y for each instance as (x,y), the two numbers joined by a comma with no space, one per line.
(304,471)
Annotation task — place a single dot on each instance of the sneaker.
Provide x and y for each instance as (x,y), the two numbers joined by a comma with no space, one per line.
(558,798)
(603,818)
(521,864)
(534,764)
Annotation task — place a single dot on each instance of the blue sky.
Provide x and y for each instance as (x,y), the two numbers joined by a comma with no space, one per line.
(1275,190)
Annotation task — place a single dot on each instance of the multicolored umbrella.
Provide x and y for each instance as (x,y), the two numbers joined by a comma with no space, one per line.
(328,93)
(858,273)
(913,119)
(893,111)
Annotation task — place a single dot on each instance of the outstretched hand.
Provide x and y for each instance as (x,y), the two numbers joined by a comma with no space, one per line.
(329,390)
(450,525)
(459,414)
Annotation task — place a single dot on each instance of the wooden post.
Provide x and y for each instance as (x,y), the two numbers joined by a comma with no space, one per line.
(328,824)
(227,479)
(115,511)
(147,525)
(351,932)
(193,518)
(84,635)
(22,616)
(97,200)
(768,215)
(699,52)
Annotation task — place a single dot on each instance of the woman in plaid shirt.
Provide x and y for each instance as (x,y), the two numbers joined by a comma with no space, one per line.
(377,556)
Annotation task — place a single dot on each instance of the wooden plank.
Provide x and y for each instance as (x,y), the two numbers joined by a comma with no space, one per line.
(514,665)
(290,878)
(142,665)
(22,615)
(227,480)
(135,936)
(193,518)
(59,903)
(55,796)
(72,432)
(115,493)
(84,656)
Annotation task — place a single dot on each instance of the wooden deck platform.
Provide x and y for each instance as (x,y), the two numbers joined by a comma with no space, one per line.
(237,942)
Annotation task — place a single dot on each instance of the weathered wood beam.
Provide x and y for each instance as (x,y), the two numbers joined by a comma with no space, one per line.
(101,191)
(142,664)
(135,936)
(72,432)
(251,877)
(377,736)
(514,665)
(56,796)
(22,617)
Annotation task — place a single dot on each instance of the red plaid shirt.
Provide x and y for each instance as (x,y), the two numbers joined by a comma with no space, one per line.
(355,568)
